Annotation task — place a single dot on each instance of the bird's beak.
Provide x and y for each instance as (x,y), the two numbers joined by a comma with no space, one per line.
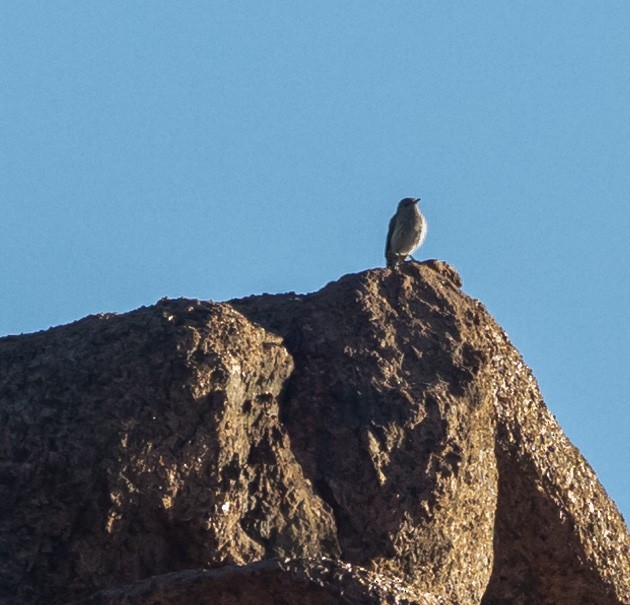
(417,200)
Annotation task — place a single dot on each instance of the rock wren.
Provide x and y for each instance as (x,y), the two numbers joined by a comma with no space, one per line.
(407,231)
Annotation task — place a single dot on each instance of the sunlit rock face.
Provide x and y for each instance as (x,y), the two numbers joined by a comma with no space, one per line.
(377,441)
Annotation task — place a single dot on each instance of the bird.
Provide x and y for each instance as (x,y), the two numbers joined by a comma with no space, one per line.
(407,230)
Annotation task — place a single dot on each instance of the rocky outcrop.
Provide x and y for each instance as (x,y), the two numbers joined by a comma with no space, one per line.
(378,441)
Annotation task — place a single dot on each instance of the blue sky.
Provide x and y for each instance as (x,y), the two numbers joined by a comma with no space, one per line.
(217,149)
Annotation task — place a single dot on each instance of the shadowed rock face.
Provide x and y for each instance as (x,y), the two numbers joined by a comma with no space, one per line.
(377,441)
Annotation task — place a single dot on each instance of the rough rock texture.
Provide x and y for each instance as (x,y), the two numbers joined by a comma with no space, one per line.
(378,441)
(307,582)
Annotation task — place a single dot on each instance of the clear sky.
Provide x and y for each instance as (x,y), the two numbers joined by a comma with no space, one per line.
(217,149)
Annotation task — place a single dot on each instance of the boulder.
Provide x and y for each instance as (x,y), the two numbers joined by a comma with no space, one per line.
(378,441)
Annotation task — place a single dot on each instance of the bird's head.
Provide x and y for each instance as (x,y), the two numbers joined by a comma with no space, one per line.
(408,202)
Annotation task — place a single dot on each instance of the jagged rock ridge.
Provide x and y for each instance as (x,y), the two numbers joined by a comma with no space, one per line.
(377,441)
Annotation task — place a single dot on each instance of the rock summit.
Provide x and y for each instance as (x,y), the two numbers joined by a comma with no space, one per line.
(377,441)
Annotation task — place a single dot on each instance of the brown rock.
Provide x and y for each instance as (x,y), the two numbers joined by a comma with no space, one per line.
(384,423)
(307,582)
(147,443)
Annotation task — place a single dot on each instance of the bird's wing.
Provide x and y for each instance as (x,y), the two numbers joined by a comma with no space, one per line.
(390,233)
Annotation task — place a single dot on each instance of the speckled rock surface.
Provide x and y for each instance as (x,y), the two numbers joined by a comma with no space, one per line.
(399,434)
(269,582)
(143,444)
(378,441)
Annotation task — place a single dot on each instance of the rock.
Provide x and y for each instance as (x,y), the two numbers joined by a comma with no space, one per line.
(307,582)
(376,441)
(146,443)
